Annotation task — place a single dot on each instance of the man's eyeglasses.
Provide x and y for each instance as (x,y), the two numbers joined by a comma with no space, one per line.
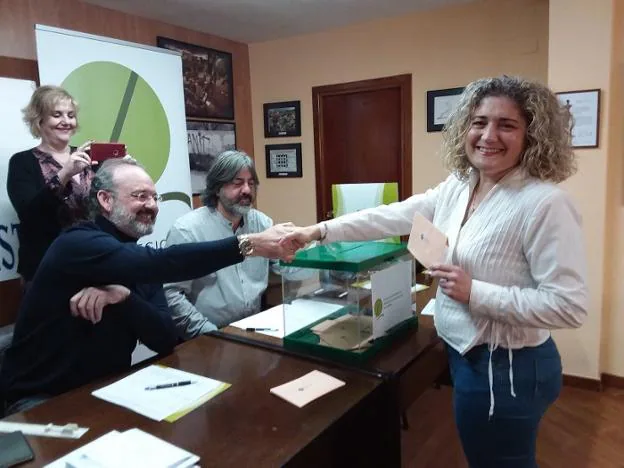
(143,197)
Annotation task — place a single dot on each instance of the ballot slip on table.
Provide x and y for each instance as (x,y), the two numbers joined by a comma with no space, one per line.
(130,449)
(308,388)
(167,404)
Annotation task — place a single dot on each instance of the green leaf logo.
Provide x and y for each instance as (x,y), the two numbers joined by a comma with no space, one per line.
(116,104)
(378,308)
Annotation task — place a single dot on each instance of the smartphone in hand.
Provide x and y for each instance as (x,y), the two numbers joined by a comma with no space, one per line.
(102,151)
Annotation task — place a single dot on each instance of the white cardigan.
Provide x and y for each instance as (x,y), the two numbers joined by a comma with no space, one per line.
(523,248)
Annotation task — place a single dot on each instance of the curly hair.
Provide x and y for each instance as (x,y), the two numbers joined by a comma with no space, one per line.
(547,153)
(42,103)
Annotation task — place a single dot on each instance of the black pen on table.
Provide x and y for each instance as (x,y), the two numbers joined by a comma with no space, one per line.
(254,329)
(170,385)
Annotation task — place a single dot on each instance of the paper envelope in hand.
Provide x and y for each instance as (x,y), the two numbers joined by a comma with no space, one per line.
(426,242)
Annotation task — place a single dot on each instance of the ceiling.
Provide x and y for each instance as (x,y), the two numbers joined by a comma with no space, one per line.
(262,20)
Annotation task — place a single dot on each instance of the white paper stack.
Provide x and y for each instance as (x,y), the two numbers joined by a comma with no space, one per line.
(168,403)
(129,449)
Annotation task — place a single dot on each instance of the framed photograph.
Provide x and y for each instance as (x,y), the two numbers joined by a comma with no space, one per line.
(206,140)
(440,104)
(283,160)
(282,119)
(584,105)
(207,80)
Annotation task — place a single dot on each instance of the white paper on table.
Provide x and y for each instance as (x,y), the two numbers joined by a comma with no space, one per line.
(130,392)
(272,318)
(78,457)
(305,389)
(130,449)
(301,313)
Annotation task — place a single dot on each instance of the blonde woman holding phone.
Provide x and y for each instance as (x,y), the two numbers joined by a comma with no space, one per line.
(48,184)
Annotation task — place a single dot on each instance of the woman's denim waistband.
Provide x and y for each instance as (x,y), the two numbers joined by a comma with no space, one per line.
(545,350)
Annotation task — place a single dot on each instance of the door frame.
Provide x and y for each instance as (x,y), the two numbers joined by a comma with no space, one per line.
(404,83)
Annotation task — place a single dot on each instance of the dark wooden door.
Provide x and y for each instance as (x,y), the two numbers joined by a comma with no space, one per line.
(362,134)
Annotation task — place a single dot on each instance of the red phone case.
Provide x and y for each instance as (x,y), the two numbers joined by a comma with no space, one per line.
(103,151)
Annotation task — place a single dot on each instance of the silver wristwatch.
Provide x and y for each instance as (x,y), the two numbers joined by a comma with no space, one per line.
(245,245)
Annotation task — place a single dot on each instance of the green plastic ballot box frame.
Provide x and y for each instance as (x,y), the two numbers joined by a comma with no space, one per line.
(340,274)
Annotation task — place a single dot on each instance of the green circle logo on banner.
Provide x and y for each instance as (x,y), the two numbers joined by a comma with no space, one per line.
(378,308)
(117,105)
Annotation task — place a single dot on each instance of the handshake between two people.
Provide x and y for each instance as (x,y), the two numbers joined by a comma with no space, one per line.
(282,241)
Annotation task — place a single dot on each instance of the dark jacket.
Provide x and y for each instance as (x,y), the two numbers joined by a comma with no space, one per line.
(53,352)
(41,211)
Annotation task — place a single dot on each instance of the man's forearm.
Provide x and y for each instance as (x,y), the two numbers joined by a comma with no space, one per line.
(188,320)
(152,322)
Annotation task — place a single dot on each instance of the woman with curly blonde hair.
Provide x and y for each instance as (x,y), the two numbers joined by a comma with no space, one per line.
(515,266)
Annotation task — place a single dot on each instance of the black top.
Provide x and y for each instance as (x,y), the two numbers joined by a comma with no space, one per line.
(41,209)
(53,352)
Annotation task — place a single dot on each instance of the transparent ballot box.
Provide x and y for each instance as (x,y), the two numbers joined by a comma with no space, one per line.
(349,299)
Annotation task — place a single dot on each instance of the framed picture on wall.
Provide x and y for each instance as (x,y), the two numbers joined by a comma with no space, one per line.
(584,105)
(283,160)
(282,119)
(206,140)
(207,79)
(440,104)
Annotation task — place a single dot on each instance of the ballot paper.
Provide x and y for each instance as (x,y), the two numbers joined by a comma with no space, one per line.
(305,389)
(130,449)
(167,403)
(427,243)
(301,313)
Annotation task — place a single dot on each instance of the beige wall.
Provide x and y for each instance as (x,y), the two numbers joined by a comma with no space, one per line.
(580,52)
(603,41)
(592,34)
(571,44)
(441,49)
(613,324)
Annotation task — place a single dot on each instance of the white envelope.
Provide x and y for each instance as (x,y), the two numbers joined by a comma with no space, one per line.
(426,242)
(305,389)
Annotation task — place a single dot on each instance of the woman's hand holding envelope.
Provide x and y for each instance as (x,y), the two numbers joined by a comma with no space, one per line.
(429,246)
(454,282)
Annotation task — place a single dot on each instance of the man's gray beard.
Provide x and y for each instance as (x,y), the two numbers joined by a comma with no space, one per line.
(235,209)
(241,209)
(127,224)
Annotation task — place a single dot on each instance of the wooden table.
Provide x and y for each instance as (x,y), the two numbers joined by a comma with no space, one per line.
(414,362)
(245,425)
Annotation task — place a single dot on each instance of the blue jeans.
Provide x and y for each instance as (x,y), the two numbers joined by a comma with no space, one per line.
(508,438)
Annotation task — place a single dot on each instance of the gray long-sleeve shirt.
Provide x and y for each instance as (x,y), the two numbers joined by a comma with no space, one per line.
(230,294)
